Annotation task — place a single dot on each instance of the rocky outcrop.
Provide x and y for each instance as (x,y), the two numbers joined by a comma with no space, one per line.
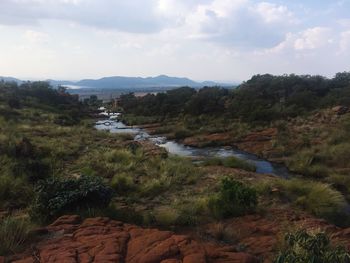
(104,240)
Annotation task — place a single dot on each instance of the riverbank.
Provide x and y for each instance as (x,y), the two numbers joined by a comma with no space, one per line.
(194,151)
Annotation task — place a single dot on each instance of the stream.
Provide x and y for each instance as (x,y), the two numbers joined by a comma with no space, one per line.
(113,125)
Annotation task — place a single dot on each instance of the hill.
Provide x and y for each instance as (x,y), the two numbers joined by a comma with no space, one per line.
(122,82)
(137,82)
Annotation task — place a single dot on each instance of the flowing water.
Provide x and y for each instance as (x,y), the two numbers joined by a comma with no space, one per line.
(262,166)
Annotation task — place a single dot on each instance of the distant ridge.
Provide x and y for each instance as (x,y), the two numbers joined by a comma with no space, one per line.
(139,82)
(121,82)
(10,79)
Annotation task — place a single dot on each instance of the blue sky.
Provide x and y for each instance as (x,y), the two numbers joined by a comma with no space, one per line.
(223,40)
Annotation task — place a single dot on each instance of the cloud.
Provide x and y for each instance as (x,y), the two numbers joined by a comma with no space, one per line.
(241,23)
(313,38)
(36,36)
(130,16)
(344,44)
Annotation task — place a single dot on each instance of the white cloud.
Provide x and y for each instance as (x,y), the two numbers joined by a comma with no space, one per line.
(273,13)
(36,36)
(344,44)
(241,23)
(203,39)
(313,38)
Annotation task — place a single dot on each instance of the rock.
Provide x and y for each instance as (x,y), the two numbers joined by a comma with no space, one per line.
(104,240)
(340,110)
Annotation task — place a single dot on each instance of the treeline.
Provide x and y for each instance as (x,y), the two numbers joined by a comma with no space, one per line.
(41,95)
(262,98)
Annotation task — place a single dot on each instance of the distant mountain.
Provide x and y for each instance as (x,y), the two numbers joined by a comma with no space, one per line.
(10,79)
(120,82)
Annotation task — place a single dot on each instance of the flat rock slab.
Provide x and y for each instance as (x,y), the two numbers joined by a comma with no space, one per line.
(101,239)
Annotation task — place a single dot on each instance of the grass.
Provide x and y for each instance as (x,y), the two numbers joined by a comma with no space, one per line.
(15,193)
(14,232)
(131,119)
(319,199)
(231,162)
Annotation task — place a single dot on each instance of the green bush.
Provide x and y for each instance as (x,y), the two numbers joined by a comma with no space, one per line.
(302,247)
(65,120)
(15,193)
(13,234)
(55,197)
(234,199)
(122,183)
(182,133)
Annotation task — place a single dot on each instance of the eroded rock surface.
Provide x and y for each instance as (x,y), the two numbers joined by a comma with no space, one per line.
(104,240)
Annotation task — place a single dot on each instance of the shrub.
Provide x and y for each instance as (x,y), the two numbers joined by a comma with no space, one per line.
(13,234)
(182,133)
(122,183)
(57,196)
(153,187)
(15,193)
(318,198)
(65,120)
(302,247)
(166,216)
(179,170)
(233,199)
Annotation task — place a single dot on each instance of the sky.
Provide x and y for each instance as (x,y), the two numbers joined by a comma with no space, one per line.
(220,40)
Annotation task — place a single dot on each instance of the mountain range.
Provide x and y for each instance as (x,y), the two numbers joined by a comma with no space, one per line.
(120,82)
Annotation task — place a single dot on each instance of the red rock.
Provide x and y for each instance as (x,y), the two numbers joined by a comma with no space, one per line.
(104,240)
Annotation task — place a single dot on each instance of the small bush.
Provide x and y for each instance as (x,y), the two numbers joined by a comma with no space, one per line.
(233,199)
(302,247)
(65,120)
(15,193)
(153,187)
(13,234)
(122,183)
(182,133)
(166,217)
(55,197)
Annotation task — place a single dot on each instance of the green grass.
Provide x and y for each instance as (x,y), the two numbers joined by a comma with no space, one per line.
(231,162)
(13,234)
(319,199)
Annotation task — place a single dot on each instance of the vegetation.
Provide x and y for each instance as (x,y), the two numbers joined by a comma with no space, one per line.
(55,197)
(303,247)
(317,198)
(233,199)
(231,162)
(14,232)
(263,98)
(53,162)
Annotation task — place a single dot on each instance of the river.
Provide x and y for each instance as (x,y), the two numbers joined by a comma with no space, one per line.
(262,166)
